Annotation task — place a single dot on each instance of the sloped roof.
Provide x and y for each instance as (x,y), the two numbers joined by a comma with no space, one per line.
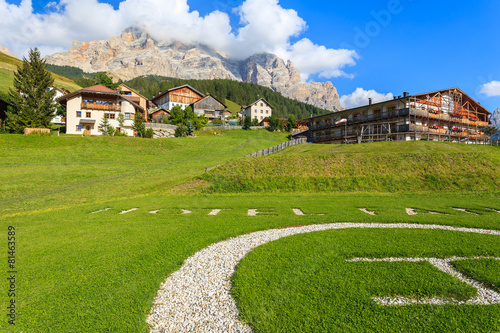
(208,96)
(135,91)
(100,90)
(257,101)
(177,88)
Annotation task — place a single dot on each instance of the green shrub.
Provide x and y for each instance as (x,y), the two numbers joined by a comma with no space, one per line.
(181,131)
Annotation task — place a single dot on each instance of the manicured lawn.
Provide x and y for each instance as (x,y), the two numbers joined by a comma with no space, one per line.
(79,271)
(486,271)
(52,172)
(304,283)
(83,272)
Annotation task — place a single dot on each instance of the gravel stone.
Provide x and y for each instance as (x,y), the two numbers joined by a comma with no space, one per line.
(197,298)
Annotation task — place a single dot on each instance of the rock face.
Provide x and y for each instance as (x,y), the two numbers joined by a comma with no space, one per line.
(7,52)
(135,53)
(495,118)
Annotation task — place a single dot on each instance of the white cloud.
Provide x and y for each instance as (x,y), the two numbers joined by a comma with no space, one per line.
(312,58)
(491,89)
(360,97)
(265,27)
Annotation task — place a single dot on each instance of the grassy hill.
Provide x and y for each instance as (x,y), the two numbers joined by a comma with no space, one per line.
(8,65)
(232,106)
(375,167)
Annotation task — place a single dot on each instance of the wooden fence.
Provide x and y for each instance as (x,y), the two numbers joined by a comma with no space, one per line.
(279,147)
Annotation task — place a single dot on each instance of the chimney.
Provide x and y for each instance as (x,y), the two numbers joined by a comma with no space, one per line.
(399,97)
(395,97)
(369,101)
(406,94)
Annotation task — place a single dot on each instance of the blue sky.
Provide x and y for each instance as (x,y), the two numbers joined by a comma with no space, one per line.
(406,45)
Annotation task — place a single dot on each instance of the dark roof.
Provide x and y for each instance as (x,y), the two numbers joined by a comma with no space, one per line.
(201,99)
(153,111)
(260,99)
(100,90)
(177,88)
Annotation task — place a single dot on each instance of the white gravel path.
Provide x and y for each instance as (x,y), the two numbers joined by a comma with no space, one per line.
(196,298)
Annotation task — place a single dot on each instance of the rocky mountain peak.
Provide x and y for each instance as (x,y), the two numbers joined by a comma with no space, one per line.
(495,118)
(135,53)
(7,52)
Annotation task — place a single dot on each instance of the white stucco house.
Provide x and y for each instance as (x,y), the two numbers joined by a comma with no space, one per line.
(87,107)
(260,109)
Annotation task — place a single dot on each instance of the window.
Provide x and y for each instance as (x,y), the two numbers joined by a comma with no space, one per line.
(109,115)
(261,111)
(78,114)
(88,114)
(99,128)
(78,128)
(267,111)
(261,104)
(127,116)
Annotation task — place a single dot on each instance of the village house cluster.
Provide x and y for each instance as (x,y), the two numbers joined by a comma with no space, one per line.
(87,107)
(444,115)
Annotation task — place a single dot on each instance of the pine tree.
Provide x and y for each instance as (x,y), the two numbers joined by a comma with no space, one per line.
(32,99)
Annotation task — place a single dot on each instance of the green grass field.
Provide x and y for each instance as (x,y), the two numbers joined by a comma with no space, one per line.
(232,106)
(79,271)
(375,167)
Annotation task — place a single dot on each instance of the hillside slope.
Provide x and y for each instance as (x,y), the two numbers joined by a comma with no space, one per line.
(406,167)
(8,65)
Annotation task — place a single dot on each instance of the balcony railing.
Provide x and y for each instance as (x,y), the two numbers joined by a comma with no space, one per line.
(104,107)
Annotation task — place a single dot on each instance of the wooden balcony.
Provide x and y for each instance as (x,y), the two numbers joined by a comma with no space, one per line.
(104,107)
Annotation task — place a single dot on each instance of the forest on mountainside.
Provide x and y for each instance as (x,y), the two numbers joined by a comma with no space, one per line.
(241,93)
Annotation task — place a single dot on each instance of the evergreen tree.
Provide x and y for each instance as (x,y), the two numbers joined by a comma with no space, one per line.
(291,123)
(105,80)
(189,128)
(275,123)
(32,99)
(248,122)
(106,127)
(139,127)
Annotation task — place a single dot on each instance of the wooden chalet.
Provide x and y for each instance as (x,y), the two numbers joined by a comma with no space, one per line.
(182,96)
(157,115)
(209,106)
(444,115)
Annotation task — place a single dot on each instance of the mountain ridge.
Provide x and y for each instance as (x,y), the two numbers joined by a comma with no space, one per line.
(134,53)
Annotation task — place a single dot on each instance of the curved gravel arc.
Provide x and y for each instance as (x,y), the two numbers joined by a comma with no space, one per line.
(197,296)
